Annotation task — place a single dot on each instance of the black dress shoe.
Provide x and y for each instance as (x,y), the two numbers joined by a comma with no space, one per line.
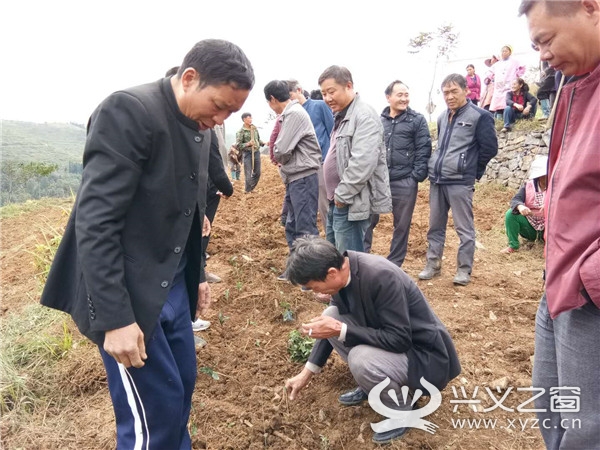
(354,397)
(389,436)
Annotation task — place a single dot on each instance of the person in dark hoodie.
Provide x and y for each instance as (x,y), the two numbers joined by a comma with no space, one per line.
(408,148)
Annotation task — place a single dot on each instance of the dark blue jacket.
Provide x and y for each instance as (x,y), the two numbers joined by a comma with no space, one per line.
(322,119)
(465,146)
(407,144)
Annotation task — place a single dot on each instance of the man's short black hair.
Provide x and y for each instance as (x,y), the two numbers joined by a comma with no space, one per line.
(390,88)
(340,74)
(219,62)
(455,78)
(246,114)
(310,259)
(277,89)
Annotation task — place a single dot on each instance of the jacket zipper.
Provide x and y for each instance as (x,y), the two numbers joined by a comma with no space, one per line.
(558,162)
(438,163)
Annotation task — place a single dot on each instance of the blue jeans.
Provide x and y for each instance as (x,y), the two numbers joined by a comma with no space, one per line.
(345,234)
(301,201)
(567,355)
(511,115)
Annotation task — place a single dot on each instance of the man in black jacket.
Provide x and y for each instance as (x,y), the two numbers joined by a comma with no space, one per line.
(379,322)
(408,148)
(466,143)
(129,269)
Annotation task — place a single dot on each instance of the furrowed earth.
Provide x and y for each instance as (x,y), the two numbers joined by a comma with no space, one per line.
(239,401)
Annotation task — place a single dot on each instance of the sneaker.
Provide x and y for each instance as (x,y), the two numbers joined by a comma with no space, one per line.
(200,325)
(433,268)
(212,278)
(305,289)
(388,436)
(508,250)
(462,278)
(353,397)
(282,277)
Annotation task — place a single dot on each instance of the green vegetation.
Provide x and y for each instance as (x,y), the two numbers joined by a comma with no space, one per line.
(299,347)
(40,160)
(26,353)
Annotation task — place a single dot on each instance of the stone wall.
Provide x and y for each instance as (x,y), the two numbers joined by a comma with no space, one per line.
(516,151)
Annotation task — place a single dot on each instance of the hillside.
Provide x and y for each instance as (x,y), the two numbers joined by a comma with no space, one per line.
(54,393)
(56,143)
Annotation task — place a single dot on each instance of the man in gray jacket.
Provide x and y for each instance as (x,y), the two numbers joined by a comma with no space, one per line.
(466,143)
(297,151)
(355,169)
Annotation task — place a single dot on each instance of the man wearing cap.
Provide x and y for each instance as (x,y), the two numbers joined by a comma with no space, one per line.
(525,216)
(567,354)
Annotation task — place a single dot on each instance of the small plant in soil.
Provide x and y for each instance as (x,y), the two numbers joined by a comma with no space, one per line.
(299,347)
(287,313)
(222,318)
(210,372)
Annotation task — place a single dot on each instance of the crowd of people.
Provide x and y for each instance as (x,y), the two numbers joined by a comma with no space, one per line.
(130,268)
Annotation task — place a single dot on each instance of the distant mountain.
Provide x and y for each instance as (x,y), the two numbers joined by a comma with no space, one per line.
(58,143)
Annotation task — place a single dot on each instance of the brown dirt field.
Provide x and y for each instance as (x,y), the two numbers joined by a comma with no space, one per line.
(491,321)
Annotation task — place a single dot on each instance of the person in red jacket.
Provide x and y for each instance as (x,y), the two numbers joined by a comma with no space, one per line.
(567,354)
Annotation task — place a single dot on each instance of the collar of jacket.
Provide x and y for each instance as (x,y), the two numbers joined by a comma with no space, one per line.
(167,90)
(386,113)
(459,110)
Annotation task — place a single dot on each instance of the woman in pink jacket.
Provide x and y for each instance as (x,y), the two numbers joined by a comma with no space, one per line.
(505,71)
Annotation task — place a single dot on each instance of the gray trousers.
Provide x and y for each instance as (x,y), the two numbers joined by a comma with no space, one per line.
(371,365)
(567,357)
(459,198)
(404,198)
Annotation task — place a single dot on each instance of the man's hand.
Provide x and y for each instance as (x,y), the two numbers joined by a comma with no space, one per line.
(518,107)
(126,345)
(322,327)
(206,227)
(295,384)
(220,194)
(204,299)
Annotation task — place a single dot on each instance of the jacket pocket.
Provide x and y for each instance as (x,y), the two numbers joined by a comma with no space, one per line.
(589,272)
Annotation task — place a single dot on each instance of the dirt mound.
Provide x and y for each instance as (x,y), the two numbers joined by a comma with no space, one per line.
(491,321)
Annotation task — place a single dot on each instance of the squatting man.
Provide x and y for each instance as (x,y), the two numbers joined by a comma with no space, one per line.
(378,321)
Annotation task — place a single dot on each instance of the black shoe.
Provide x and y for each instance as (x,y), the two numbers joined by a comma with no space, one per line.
(354,397)
(389,436)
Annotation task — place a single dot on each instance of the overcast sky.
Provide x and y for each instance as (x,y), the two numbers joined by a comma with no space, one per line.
(61,58)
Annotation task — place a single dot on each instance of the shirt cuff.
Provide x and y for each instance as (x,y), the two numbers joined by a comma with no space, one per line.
(342,336)
(313,367)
